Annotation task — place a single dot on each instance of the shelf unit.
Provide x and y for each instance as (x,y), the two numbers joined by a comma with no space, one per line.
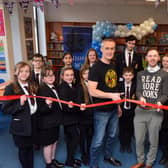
(55,53)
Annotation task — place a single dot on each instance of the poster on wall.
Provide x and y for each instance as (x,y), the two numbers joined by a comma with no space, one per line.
(28,27)
(2,28)
(2,58)
(77,40)
(29,49)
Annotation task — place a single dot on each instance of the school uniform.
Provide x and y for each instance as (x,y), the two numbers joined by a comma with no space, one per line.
(36,77)
(126,120)
(49,116)
(70,120)
(85,126)
(123,60)
(23,124)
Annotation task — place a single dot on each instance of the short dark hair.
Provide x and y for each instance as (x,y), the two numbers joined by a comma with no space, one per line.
(128,69)
(38,55)
(130,38)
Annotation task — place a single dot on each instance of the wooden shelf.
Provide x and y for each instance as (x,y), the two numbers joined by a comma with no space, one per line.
(55,50)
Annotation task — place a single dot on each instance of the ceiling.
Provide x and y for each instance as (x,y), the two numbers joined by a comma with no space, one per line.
(110,2)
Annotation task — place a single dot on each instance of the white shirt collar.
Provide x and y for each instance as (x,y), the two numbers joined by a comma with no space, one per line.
(50,86)
(153,69)
(22,85)
(128,84)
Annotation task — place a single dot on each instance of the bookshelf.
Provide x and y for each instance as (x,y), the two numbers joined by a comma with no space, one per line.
(55,53)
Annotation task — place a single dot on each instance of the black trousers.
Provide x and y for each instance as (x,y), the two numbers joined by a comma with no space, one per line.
(26,156)
(126,129)
(86,133)
(72,140)
(25,145)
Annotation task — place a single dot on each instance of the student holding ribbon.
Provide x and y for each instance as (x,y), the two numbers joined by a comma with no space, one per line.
(68,92)
(24,118)
(49,117)
(126,130)
(151,88)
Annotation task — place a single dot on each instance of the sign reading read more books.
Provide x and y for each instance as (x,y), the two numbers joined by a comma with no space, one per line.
(77,40)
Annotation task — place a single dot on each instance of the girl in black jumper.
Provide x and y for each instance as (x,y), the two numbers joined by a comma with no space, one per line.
(68,92)
(86,115)
(49,118)
(23,111)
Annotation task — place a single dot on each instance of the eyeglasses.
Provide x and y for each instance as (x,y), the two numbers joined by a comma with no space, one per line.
(49,76)
(37,60)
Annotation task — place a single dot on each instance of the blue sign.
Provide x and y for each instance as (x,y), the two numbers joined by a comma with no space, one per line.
(77,40)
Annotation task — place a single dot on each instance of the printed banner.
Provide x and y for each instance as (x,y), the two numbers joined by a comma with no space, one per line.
(2,28)
(77,40)
(2,57)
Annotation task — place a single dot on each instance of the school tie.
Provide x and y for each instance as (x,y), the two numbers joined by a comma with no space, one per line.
(127,97)
(37,78)
(31,99)
(129,59)
(55,92)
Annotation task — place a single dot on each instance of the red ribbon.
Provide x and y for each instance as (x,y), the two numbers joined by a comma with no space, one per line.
(14,97)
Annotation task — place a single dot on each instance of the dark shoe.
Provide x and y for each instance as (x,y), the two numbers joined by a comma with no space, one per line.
(162,161)
(78,162)
(57,164)
(50,166)
(113,161)
(85,160)
(138,165)
(74,165)
(122,149)
(129,150)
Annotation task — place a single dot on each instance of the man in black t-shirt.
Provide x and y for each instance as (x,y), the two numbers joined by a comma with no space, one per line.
(103,87)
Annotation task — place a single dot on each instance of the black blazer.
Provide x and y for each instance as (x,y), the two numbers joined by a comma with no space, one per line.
(21,117)
(121,63)
(48,117)
(70,115)
(86,116)
(33,77)
(121,87)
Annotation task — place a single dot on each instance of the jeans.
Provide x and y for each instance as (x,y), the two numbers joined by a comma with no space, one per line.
(105,125)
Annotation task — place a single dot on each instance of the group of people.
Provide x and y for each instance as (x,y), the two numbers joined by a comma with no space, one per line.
(37,121)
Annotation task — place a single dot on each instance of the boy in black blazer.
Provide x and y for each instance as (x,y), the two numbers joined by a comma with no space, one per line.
(127,89)
(129,58)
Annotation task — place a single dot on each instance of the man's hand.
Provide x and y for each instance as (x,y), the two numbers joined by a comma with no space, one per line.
(83,107)
(115,96)
(69,105)
(159,104)
(119,111)
(143,100)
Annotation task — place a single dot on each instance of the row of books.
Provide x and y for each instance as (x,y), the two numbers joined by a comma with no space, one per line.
(56,46)
(55,54)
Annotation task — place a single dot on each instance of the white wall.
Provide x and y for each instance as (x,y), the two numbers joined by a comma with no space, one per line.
(115,13)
